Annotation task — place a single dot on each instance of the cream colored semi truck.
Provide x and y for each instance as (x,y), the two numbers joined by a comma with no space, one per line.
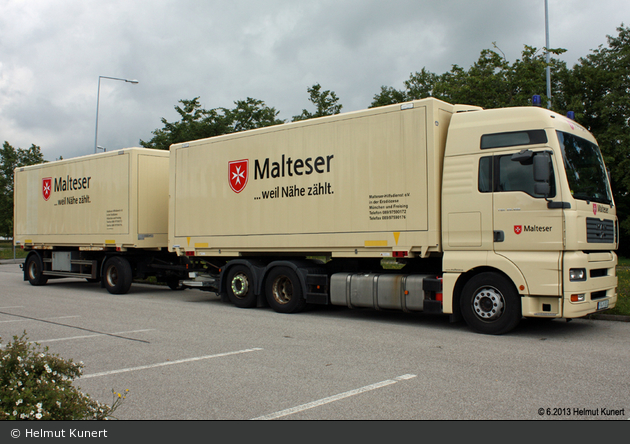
(489,215)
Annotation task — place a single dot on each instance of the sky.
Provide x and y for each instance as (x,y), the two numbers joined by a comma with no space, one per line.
(52,53)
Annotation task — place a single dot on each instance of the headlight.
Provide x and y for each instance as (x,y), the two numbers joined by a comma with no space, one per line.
(577,274)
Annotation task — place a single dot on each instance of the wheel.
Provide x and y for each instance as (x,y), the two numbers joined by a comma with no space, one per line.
(118,275)
(490,304)
(240,287)
(35,270)
(284,291)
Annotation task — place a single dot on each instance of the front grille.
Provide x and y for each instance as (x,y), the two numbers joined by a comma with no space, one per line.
(600,231)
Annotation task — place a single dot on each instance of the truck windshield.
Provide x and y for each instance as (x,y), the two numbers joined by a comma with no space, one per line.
(585,169)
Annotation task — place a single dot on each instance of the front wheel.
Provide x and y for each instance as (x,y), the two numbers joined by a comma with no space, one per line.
(490,304)
(35,270)
(284,291)
(118,275)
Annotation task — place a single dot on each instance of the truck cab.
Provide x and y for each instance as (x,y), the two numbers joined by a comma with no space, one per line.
(529,221)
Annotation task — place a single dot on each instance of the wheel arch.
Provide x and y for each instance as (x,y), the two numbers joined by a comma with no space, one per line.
(463,279)
(302,267)
(297,266)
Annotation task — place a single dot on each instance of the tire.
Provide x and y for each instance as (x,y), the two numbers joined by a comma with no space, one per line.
(490,304)
(35,270)
(241,287)
(284,291)
(118,275)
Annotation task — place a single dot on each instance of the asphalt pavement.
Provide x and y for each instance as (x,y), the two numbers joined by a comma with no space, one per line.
(186,355)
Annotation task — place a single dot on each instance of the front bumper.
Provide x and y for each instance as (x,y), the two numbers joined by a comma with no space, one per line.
(598,292)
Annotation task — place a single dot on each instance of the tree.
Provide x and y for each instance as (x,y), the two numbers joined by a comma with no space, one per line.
(326,103)
(598,90)
(195,123)
(419,86)
(485,84)
(528,77)
(198,123)
(491,82)
(10,159)
(251,114)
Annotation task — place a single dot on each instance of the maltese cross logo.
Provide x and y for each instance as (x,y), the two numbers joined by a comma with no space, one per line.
(518,229)
(46,187)
(238,174)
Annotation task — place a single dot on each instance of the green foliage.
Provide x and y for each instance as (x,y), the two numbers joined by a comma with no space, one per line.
(195,123)
(598,90)
(326,103)
(491,82)
(623,290)
(37,385)
(6,251)
(198,123)
(10,159)
(419,86)
(251,114)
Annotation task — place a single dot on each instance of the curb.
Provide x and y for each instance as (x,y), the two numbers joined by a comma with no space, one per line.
(11,261)
(606,317)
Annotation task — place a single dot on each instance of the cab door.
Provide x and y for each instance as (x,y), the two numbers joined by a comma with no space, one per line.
(526,230)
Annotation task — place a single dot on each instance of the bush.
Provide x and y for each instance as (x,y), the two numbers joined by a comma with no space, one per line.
(37,385)
(623,290)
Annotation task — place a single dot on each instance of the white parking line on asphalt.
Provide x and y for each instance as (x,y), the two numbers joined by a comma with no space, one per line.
(46,319)
(310,405)
(92,336)
(162,364)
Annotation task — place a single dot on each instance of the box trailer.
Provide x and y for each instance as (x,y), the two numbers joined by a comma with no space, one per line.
(102,217)
(485,215)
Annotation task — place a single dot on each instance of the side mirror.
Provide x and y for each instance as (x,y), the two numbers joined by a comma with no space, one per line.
(542,174)
(523,156)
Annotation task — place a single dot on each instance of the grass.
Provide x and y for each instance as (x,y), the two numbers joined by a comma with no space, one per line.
(623,289)
(6,251)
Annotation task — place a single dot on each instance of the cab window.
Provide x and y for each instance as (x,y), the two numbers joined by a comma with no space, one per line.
(502,174)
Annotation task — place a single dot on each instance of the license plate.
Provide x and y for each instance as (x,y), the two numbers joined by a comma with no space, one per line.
(602,305)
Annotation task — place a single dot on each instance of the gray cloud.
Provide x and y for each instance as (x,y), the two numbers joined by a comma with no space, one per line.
(52,52)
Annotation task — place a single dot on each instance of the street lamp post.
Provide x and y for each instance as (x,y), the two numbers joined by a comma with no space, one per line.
(548,70)
(98,94)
